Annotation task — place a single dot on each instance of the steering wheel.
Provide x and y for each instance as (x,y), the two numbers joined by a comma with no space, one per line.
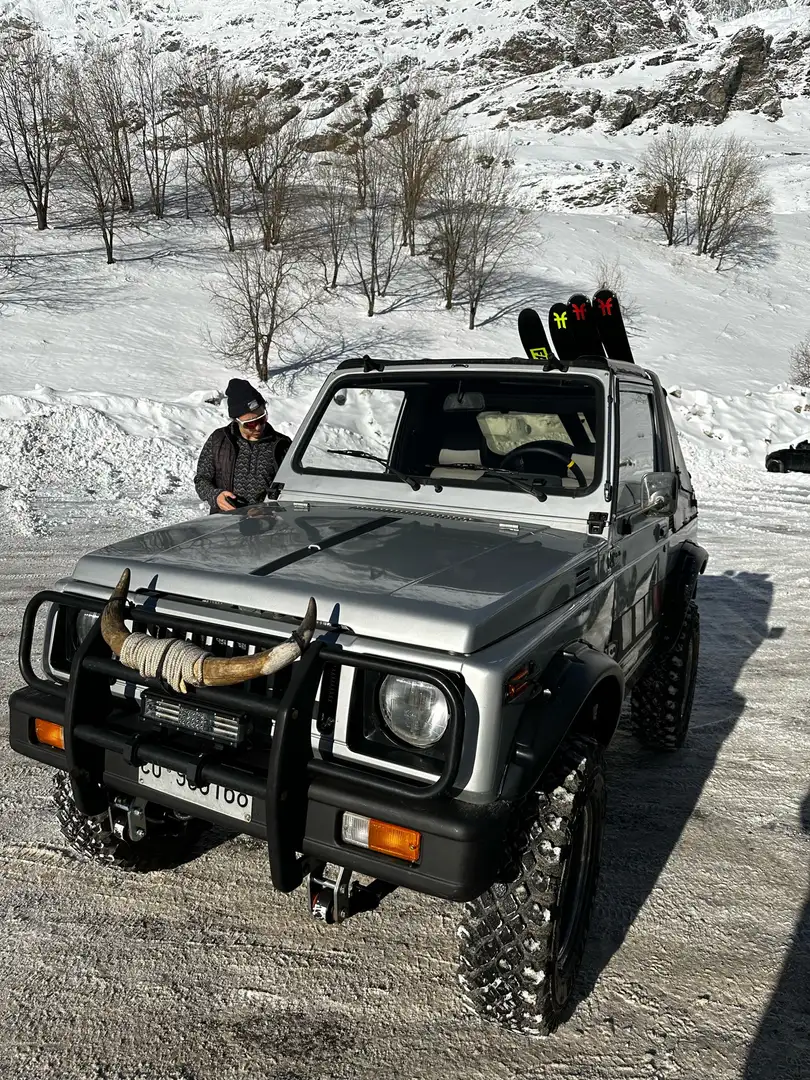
(536,448)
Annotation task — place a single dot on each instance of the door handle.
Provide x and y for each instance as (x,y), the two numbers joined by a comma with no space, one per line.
(661,530)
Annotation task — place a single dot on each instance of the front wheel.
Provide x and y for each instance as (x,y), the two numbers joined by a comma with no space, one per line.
(521,942)
(168,842)
(776,466)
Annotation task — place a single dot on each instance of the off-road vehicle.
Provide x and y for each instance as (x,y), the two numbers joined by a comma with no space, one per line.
(408,667)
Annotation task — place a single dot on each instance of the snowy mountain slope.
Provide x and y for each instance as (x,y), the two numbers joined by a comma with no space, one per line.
(704,59)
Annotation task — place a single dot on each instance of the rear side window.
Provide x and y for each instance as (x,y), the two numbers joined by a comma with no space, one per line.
(636,444)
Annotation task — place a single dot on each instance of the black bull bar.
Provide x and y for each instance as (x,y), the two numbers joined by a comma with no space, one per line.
(283,788)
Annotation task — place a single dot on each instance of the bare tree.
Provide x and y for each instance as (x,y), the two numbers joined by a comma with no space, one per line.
(105,74)
(30,147)
(375,248)
(733,206)
(265,294)
(331,217)
(419,132)
(216,104)
(666,171)
(276,163)
(153,79)
(495,223)
(800,363)
(453,210)
(357,157)
(92,154)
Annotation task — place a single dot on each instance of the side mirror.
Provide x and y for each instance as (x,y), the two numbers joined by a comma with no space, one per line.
(340,396)
(659,493)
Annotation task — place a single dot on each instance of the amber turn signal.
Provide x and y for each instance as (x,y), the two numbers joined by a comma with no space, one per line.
(382,837)
(394,840)
(49,734)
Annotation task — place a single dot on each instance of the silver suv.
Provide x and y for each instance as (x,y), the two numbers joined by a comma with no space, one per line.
(408,667)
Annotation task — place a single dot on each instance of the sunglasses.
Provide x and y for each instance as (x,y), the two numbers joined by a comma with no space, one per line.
(256,422)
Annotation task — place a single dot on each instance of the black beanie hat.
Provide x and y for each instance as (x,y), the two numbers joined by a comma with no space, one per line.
(242,398)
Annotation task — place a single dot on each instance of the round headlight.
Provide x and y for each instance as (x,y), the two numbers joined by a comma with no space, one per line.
(414,711)
(85,621)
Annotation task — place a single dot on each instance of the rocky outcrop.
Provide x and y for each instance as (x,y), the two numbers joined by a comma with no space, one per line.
(739,74)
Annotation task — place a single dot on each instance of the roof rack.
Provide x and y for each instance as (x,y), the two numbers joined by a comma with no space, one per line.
(368,364)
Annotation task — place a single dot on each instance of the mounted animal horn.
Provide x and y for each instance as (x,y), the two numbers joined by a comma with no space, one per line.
(182,663)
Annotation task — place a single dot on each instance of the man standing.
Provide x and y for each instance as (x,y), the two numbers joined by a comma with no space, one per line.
(239,462)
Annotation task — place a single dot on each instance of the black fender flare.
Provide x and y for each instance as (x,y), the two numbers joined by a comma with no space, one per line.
(680,590)
(574,676)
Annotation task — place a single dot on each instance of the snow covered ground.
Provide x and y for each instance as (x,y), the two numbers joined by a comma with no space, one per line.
(699,954)
(699,960)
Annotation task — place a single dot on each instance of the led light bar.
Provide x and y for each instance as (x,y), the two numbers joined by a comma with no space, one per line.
(220,727)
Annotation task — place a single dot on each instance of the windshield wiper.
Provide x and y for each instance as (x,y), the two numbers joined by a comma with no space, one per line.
(411,481)
(516,479)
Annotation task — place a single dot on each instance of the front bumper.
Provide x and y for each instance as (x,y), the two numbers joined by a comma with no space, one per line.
(462,845)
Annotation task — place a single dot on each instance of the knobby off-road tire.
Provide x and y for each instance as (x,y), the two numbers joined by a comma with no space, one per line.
(168,841)
(661,702)
(521,942)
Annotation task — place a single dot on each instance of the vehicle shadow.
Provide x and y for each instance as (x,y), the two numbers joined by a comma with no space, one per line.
(781,1047)
(653,795)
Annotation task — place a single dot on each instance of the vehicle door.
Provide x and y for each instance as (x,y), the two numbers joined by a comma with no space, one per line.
(640,539)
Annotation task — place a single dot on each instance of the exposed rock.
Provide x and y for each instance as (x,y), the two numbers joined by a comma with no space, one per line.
(618,110)
(527,53)
(290,88)
(324,142)
(562,105)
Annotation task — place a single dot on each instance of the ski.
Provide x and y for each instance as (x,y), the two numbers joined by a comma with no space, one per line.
(562,337)
(534,339)
(584,331)
(610,324)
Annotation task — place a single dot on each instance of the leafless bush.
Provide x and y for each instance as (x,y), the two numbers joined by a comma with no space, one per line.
(666,171)
(331,218)
(375,231)
(709,192)
(610,274)
(30,147)
(276,165)
(154,77)
(264,296)
(800,363)
(732,204)
(92,156)
(420,130)
(217,103)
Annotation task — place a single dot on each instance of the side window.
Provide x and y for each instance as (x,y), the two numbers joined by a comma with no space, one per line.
(636,444)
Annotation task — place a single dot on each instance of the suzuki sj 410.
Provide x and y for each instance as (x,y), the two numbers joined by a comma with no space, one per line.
(406,667)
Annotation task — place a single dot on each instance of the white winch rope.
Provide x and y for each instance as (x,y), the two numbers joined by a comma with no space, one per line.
(179,663)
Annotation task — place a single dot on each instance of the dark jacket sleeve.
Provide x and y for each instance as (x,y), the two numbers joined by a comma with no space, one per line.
(205,478)
(280,450)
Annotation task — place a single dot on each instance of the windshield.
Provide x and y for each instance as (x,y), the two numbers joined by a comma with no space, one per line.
(541,434)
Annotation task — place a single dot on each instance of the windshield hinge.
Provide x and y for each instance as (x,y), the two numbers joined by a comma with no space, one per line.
(507,526)
(597,523)
(608,491)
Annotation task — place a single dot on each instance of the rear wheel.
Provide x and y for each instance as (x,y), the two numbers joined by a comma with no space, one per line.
(168,842)
(661,703)
(521,942)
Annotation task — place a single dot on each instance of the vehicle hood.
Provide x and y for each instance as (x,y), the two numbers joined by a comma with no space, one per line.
(438,582)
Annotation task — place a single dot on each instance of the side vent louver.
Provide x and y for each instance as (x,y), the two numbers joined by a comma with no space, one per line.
(583,579)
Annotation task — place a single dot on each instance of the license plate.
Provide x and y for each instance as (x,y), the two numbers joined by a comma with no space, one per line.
(233,804)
